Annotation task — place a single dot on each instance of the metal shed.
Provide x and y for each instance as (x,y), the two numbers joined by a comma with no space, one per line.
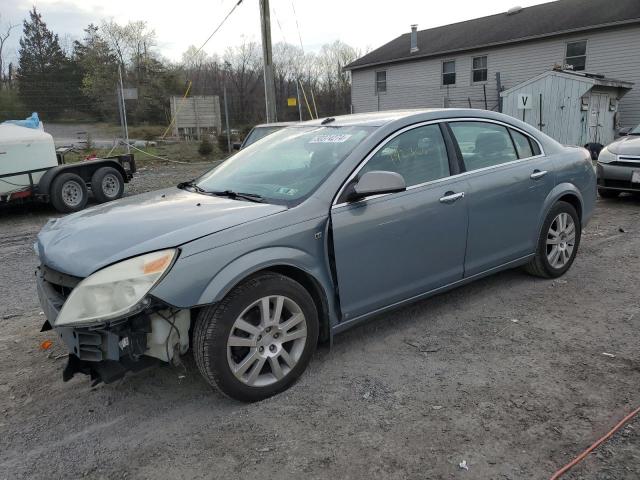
(575,108)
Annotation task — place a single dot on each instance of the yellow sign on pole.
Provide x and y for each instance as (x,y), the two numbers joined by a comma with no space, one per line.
(292,101)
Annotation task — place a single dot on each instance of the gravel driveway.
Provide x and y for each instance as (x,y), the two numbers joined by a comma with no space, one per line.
(507,373)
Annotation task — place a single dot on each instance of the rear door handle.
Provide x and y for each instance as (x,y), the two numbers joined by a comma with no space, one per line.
(451,197)
(538,174)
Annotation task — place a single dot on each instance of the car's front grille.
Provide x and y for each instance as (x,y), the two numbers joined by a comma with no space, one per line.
(627,161)
(89,345)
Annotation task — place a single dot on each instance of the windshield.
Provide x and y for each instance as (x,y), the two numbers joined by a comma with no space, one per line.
(257,133)
(635,131)
(286,166)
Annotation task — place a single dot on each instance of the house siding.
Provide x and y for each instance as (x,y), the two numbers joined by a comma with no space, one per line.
(417,84)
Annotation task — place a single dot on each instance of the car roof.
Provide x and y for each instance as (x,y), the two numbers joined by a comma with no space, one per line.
(379,119)
(275,124)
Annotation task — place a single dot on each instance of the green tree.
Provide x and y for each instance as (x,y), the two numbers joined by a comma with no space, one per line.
(98,65)
(47,80)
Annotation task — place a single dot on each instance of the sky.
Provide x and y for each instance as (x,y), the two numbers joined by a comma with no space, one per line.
(178,24)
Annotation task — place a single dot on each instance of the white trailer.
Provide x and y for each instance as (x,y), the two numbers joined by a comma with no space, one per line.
(30,167)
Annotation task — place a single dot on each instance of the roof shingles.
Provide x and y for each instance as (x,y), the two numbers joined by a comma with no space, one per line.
(538,21)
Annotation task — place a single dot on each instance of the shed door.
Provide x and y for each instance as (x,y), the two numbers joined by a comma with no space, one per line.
(598,121)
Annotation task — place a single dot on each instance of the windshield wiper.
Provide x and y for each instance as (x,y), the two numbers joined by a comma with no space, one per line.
(252,197)
(191,184)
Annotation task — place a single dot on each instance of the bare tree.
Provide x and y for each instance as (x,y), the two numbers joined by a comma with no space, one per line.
(4,36)
(243,68)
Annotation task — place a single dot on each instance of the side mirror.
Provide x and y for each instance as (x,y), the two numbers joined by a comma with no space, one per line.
(236,145)
(623,132)
(377,182)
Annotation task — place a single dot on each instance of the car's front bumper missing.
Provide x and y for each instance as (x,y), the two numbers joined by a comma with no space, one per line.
(105,351)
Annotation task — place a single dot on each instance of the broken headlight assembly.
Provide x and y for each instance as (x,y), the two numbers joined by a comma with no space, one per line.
(115,291)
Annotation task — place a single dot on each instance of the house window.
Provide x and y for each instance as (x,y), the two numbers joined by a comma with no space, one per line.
(381,81)
(479,69)
(449,72)
(576,55)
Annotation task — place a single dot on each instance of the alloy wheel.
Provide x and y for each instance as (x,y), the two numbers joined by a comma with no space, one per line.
(266,341)
(561,240)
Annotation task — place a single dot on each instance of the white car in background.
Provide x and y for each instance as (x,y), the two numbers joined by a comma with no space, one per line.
(619,165)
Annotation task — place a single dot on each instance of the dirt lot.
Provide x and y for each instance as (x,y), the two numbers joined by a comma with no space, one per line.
(507,373)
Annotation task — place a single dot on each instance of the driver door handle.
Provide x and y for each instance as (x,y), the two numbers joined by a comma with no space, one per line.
(451,197)
(538,174)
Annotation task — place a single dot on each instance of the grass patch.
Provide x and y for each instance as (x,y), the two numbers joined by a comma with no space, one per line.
(180,152)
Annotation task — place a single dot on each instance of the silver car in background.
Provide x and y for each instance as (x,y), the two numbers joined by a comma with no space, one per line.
(313,229)
(260,131)
(619,165)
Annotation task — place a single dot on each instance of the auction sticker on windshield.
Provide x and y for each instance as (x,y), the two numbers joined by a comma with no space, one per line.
(330,138)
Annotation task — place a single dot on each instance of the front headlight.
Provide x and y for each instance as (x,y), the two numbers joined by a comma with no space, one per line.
(606,156)
(116,290)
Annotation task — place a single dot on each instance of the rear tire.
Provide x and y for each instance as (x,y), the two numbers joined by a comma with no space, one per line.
(68,193)
(604,193)
(107,184)
(558,242)
(250,356)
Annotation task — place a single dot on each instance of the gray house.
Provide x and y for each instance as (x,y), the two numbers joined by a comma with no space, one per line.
(470,63)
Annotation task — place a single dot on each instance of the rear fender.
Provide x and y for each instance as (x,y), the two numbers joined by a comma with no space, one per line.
(558,192)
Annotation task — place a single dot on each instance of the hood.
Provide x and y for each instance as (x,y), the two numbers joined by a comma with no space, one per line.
(81,243)
(629,145)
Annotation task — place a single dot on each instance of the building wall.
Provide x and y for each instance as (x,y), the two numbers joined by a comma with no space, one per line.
(417,84)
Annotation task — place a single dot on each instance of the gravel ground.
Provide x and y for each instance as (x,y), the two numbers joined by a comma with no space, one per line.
(507,373)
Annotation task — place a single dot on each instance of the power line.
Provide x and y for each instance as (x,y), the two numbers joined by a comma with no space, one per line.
(297,25)
(173,117)
(284,39)
(218,27)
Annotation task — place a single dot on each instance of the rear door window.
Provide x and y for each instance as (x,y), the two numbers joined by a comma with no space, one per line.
(523,144)
(419,155)
(483,144)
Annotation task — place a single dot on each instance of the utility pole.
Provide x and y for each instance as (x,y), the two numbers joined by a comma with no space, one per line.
(124,111)
(226,117)
(269,84)
(225,76)
(298,96)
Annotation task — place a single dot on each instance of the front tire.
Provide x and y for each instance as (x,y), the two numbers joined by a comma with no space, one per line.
(68,193)
(259,339)
(558,242)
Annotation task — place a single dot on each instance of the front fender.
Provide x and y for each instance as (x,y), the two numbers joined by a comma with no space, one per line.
(205,278)
(262,259)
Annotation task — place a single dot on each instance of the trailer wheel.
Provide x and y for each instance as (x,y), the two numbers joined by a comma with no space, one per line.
(107,184)
(68,193)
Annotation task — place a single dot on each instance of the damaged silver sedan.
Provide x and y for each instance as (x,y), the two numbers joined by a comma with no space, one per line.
(304,234)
